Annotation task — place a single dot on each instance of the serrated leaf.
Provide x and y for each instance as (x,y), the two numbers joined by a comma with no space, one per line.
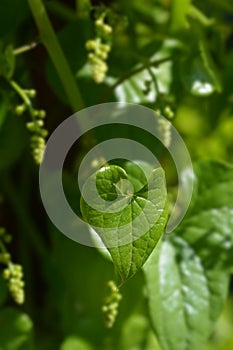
(188,277)
(129,223)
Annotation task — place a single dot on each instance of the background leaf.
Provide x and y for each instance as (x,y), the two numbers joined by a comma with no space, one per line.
(180,10)
(75,343)
(16,330)
(13,139)
(188,277)
(198,72)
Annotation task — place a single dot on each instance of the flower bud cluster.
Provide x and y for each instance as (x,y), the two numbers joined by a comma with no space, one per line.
(164,125)
(14,276)
(111,306)
(99,49)
(12,273)
(39,135)
(168,112)
(35,126)
(165,131)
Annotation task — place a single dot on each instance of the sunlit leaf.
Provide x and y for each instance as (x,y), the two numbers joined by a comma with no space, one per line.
(131,233)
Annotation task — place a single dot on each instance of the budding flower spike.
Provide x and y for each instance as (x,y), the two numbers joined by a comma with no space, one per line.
(111,306)
(35,126)
(99,49)
(14,276)
(12,273)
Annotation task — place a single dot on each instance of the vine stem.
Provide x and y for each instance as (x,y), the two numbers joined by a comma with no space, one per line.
(131,73)
(25,48)
(22,94)
(50,41)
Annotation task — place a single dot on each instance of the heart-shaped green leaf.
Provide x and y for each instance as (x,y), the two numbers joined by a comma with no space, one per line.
(129,223)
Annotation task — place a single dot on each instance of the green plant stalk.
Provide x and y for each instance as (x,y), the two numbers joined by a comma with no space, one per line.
(133,72)
(23,95)
(49,39)
(26,100)
(25,48)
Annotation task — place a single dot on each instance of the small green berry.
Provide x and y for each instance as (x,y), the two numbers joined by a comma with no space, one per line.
(91,45)
(41,114)
(30,126)
(107,29)
(20,109)
(31,93)
(99,22)
(6,274)
(40,123)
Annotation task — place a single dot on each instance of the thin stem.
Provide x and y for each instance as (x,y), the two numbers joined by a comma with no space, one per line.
(154,80)
(128,75)
(22,94)
(25,48)
(49,39)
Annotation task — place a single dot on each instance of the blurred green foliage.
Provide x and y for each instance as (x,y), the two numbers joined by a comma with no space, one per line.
(165,54)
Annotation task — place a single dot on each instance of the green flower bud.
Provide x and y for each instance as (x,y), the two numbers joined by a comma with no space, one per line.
(91,45)
(16,284)
(107,29)
(30,126)
(6,273)
(43,132)
(40,123)
(31,93)
(99,22)
(20,109)
(168,112)
(41,114)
